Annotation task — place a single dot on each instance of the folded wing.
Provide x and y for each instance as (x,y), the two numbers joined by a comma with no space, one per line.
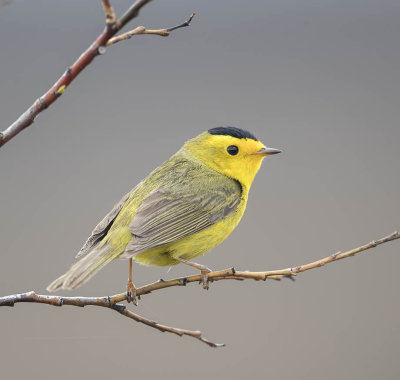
(171,213)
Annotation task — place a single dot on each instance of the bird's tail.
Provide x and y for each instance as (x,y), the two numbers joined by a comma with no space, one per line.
(84,269)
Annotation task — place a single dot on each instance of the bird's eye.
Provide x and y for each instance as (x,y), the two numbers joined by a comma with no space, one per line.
(233,150)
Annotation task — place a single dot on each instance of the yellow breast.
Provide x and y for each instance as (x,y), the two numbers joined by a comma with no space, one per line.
(194,245)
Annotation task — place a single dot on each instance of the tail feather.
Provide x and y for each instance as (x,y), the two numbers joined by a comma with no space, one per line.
(84,269)
(57,284)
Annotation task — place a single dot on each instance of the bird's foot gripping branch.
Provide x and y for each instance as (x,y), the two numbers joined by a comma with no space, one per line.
(114,302)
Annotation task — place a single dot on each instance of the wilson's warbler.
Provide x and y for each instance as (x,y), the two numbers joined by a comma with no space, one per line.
(181,210)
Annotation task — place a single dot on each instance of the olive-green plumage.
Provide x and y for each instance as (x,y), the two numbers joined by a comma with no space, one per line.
(183,209)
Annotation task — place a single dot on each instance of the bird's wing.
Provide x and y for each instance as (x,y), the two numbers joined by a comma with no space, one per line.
(102,228)
(171,213)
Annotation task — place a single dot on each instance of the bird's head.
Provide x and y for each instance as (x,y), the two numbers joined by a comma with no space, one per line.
(231,151)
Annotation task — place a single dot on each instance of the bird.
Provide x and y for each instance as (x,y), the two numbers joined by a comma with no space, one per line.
(181,210)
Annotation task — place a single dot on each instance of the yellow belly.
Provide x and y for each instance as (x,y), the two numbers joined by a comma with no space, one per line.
(194,245)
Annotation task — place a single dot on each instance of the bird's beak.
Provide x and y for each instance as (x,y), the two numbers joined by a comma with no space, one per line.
(267,151)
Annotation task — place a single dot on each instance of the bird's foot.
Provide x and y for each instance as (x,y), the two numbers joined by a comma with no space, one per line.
(203,271)
(204,277)
(131,293)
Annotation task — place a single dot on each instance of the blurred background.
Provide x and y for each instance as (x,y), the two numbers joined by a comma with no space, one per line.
(318,79)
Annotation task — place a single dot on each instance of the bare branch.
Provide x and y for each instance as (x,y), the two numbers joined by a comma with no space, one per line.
(142,30)
(109,11)
(113,26)
(183,25)
(107,302)
(231,273)
(112,302)
(131,13)
(135,32)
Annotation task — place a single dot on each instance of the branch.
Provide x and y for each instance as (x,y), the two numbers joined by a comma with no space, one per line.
(231,273)
(109,11)
(107,302)
(131,13)
(142,30)
(112,302)
(113,26)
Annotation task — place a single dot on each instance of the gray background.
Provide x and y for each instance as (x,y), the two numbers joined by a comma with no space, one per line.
(317,78)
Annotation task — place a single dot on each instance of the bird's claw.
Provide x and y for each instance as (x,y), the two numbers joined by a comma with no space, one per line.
(131,293)
(204,277)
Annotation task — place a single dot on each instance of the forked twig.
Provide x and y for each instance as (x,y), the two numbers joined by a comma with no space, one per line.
(107,302)
(112,302)
(98,47)
(142,30)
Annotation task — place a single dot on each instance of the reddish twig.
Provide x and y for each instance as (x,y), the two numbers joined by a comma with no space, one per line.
(98,47)
(112,302)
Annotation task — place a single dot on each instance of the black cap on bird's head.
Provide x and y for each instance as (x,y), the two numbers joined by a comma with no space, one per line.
(239,133)
(231,151)
(232,131)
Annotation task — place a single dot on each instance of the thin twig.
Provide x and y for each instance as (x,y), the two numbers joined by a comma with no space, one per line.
(109,11)
(183,25)
(131,13)
(113,26)
(135,32)
(107,302)
(112,302)
(142,30)
(264,275)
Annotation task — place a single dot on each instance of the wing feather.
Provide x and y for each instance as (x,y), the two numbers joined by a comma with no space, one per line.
(103,227)
(171,213)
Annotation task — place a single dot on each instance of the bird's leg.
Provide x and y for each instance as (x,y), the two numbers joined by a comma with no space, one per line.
(130,288)
(203,271)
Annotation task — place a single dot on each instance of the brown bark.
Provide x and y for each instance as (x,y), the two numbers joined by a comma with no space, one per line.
(112,302)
